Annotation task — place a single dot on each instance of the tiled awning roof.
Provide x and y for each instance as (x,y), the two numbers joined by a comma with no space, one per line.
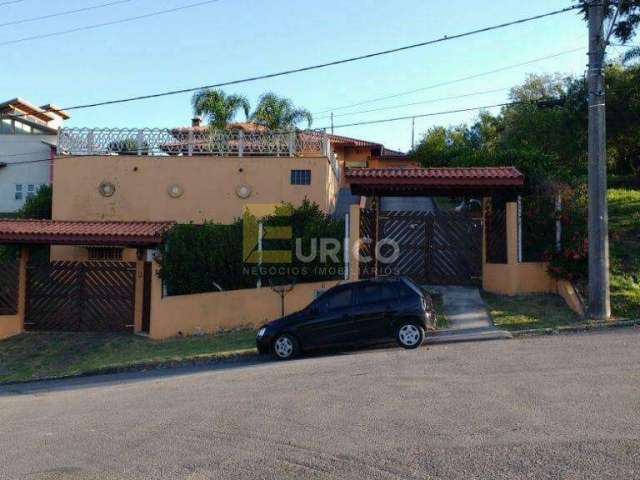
(471,176)
(65,232)
(432,181)
(353,142)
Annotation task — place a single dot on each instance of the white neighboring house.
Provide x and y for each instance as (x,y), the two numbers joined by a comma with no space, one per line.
(28,139)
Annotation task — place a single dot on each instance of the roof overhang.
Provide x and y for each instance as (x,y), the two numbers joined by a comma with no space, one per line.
(64,232)
(27,108)
(445,181)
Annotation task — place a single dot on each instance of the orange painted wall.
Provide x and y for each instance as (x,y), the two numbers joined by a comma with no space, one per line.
(377,162)
(515,277)
(14,324)
(215,311)
(209,185)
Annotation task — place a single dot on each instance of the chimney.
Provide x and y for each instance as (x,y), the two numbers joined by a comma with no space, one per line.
(196,121)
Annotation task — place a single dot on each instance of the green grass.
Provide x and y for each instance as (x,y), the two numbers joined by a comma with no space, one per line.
(441,319)
(41,355)
(624,234)
(523,312)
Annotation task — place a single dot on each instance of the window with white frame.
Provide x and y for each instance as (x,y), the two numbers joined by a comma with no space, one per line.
(19,192)
(31,191)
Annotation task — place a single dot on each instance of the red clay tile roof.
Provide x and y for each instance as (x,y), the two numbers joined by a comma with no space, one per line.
(65,232)
(355,142)
(444,176)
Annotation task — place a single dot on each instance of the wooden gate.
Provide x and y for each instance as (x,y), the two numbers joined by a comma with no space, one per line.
(81,296)
(438,248)
(9,287)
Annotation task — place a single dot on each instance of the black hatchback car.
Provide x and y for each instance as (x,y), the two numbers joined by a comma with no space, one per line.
(361,312)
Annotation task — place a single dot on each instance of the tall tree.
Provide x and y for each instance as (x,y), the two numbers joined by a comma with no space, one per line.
(278,113)
(218,108)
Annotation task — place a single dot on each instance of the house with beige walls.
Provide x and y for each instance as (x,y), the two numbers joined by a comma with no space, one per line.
(117,191)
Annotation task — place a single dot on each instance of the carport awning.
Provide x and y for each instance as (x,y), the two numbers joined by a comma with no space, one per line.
(69,232)
(432,181)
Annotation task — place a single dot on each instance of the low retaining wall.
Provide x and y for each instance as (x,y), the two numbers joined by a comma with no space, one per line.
(516,278)
(211,312)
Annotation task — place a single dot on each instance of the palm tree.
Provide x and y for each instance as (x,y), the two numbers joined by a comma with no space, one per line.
(219,108)
(278,113)
(631,55)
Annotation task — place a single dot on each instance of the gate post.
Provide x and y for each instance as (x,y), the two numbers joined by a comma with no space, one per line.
(22,288)
(354,248)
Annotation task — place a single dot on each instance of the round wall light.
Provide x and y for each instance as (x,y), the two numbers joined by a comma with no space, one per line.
(243,191)
(175,191)
(107,189)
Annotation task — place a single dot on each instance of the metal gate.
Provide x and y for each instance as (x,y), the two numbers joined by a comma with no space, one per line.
(80,296)
(438,248)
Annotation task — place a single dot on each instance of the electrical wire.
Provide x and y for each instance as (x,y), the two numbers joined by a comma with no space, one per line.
(450,82)
(10,3)
(20,154)
(317,66)
(423,115)
(25,162)
(433,100)
(60,14)
(105,24)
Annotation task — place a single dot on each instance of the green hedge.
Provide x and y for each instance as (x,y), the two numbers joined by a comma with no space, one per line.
(209,257)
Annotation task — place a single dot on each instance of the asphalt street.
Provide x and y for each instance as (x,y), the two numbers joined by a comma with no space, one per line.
(545,407)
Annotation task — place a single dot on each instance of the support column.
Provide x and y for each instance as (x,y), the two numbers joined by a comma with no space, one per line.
(512,233)
(354,249)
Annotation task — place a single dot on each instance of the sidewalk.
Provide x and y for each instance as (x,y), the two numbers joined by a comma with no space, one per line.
(468,317)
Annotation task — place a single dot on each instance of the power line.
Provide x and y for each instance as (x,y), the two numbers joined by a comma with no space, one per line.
(450,82)
(105,24)
(11,2)
(320,65)
(20,154)
(423,115)
(60,14)
(25,162)
(433,100)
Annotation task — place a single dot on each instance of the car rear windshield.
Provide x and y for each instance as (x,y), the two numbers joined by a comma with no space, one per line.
(409,283)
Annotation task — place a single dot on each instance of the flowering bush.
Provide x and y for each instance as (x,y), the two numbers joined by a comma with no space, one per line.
(571,262)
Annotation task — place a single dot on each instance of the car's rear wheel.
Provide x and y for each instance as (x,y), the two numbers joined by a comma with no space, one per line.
(285,347)
(410,335)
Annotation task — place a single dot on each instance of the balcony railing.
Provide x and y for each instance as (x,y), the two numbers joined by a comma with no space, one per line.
(191,141)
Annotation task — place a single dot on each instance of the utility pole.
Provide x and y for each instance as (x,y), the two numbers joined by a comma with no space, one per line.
(331,123)
(599,297)
(413,132)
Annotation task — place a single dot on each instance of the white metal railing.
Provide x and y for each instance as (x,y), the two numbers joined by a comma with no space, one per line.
(190,141)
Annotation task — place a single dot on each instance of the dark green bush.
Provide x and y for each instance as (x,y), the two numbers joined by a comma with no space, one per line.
(210,257)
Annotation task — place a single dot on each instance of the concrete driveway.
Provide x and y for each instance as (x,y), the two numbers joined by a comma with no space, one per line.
(546,407)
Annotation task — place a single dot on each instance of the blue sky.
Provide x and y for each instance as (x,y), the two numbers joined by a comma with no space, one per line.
(232,39)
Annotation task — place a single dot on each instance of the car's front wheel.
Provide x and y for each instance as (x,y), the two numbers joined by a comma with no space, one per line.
(285,347)
(410,335)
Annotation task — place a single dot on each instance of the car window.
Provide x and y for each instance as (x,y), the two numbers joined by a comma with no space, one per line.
(409,283)
(373,293)
(368,294)
(335,300)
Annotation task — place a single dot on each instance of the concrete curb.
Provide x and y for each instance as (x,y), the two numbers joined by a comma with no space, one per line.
(198,361)
(583,327)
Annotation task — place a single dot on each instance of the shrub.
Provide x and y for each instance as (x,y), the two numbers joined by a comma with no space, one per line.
(209,257)
(38,206)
